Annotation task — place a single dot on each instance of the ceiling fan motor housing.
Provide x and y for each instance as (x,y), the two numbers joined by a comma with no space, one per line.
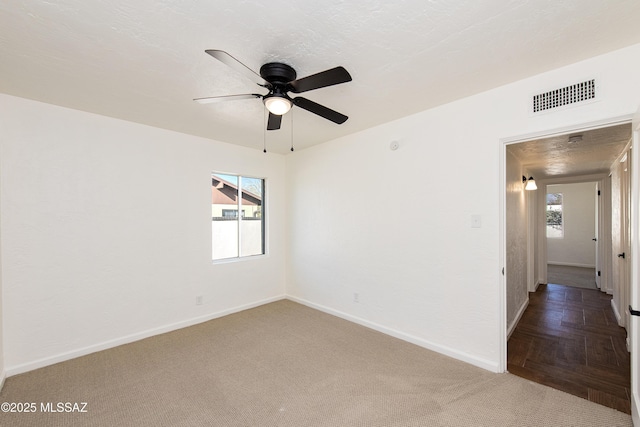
(277,73)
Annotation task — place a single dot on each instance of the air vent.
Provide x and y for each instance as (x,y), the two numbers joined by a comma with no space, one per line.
(575,93)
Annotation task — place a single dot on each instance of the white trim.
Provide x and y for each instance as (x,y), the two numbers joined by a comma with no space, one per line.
(597,124)
(502,266)
(532,232)
(570,264)
(541,236)
(635,268)
(489,365)
(606,281)
(40,363)
(575,179)
(519,314)
(3,377)
(616,312)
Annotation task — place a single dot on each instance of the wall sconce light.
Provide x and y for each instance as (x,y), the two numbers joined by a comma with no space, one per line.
(531,183)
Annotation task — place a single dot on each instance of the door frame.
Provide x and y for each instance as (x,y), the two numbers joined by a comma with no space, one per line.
(621,268)
(597,231)
(635,197)
(602,214)
(634,297)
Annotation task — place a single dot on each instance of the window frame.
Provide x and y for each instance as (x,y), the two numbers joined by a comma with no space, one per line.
(239,207)
(562,218)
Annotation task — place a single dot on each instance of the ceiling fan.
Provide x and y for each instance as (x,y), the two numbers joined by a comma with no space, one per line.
(279,79)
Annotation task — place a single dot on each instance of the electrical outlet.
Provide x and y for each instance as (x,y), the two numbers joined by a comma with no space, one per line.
(199,299)
(356,297)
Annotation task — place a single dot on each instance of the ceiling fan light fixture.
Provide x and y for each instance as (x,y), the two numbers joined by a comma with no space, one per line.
(277,105)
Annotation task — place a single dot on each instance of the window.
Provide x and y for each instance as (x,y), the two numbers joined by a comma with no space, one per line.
(555,223)
(236,236)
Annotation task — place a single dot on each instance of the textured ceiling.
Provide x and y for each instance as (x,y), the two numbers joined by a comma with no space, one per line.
(144,60)
(578,153)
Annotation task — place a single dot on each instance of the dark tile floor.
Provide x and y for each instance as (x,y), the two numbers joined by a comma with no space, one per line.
(568,339)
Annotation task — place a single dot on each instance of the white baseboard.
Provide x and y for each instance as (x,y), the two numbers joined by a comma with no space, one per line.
(616,312)
(464,357)
(635,415)
(519,314)
(3,377)
(570,264)
(40,363)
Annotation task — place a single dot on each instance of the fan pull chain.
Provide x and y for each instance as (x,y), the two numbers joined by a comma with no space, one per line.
(264,130)
(291,129)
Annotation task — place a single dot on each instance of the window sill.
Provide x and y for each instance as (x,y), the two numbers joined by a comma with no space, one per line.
(237,259)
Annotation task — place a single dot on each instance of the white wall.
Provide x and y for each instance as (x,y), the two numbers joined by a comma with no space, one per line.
(579,216)
(438,284)
(106,232)
(516,242)
(2,364)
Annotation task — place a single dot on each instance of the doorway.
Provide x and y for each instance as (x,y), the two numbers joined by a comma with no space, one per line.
(579,155)
(572,234)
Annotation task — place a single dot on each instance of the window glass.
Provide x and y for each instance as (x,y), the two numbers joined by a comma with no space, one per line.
(555,222)
(236,235)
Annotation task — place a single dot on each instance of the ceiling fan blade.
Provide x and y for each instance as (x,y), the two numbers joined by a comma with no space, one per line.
(320,110)
(212,99)
(238,66)
(274,122)
(330,77)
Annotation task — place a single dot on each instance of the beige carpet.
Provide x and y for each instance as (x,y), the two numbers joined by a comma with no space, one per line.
(580,277)
(284,364)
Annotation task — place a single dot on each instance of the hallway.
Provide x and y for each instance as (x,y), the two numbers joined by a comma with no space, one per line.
(577,277)
(568,339)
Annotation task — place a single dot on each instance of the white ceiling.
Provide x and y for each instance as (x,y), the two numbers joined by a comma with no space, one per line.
(144,60)
(575,154)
